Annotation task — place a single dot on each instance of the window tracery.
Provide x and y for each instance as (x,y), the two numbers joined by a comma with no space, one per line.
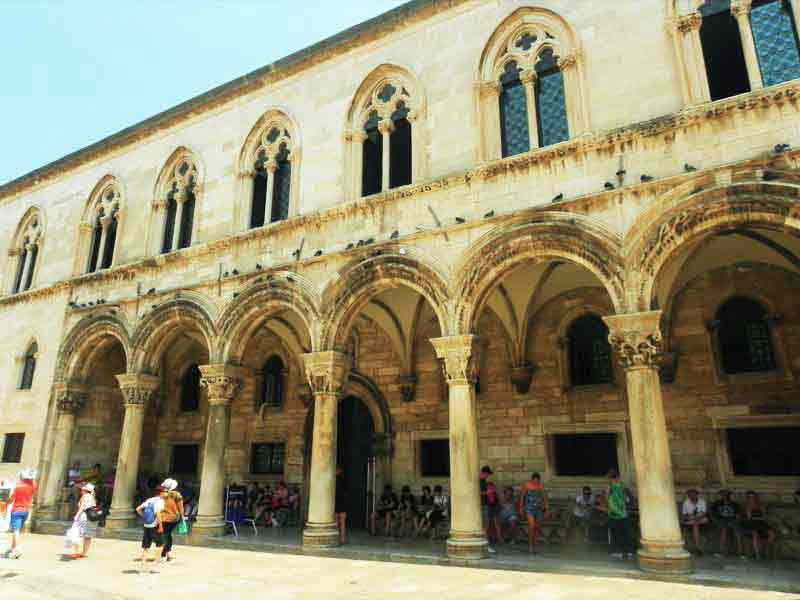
(102,221)
(530,89)
(25,251)
(178,200)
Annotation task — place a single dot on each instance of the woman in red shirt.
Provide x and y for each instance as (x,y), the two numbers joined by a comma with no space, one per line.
(21,501)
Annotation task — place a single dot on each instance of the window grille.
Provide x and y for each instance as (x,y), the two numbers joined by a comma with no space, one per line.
(775,38)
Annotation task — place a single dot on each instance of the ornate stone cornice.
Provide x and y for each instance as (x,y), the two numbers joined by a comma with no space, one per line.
(459,356)
(222,382)
(326,371)
(138,389)
(636,339)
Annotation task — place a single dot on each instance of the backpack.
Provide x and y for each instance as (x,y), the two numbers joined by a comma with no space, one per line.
(148,514)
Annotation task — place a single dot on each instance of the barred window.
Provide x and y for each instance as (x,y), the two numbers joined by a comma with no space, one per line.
(775,37)
(400,148)
(267,459)
(29,367)
(12,447)
(372,170)
(169,224)
(551,101)
(273,385)
(589,352)
(745,341)
(179,202)
(722,50)
(514,134)
(280,194)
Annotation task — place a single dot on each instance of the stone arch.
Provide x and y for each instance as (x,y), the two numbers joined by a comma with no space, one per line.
(159,328)
(275,116)
(87,337)
(549,235)
(264,296)
(371,84)
(107,199)
(694,211)
(344,298)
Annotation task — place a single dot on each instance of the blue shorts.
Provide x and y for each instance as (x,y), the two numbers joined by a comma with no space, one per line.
(18,520)
(535,513)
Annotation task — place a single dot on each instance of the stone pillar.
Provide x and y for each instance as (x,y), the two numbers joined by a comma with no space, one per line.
(385,127)
(636,339)
(689,48)
(69,400)
(26,267)
(180,199)
(105,221)
(357,156)
(467,539)
(271,167)
(489,98)
(741,10)
(326,373)
(137,390)
(223,383)
(528,79)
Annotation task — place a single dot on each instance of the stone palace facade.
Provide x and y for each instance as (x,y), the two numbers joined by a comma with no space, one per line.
(552,236)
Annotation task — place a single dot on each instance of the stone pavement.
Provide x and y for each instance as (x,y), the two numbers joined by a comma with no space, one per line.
(203,573)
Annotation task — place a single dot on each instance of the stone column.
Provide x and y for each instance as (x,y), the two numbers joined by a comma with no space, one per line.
(636,339)
(180,199)
(70,398)
(105,221)
(528,79)
(489,98)
(222,383)
(326,373)
(271,167)
(357,156)
(467,539)
(385,127)
(741,10)
(26,267)
(137,390)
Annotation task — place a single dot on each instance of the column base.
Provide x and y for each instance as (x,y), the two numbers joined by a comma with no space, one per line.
(665,558)
(320,535)
(467,545)
(121,519)
(206,527)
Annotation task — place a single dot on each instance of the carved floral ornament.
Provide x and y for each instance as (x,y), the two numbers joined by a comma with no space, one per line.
(326,371)
(222,389)
(107,203)
(70,401)
(459,356)
(137,389)
(636,339)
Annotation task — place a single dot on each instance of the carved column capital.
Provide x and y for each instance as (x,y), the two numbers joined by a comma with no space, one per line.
(690,22)
(70,397)
(222,382)
(138,389)
(271,165)
(386,127)
(568,61)
(326,371)
(459,354)
(636,339)
(741,8)
(528,77)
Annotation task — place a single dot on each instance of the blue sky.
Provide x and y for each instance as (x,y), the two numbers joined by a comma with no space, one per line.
(75,71)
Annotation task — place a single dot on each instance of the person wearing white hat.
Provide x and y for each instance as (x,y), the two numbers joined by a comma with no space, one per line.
(86,527)
(20,502)
(171,515)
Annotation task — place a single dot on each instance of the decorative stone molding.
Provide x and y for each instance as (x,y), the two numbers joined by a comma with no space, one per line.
(687,23)
(138,389)
(222,382)
(408,386)
(70,397)
(636,339)
(459,356)
(326,371)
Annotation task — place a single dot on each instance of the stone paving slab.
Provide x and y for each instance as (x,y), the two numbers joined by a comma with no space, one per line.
(201,573)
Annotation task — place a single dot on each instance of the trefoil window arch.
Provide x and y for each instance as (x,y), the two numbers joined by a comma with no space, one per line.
(103,222)
(531,92)
(25,252)
(178,201)
(744,337)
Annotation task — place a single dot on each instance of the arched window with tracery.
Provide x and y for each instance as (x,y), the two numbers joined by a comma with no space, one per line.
(271,172)
(178,189)
(385,142)
(29,367)
(729,47)
(273,383)
(744,338)
(25,251)
(589,352)
(102,220)
(531,91)
(190,389)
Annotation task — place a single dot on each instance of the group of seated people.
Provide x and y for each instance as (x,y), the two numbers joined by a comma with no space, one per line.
(731,519)
(408,514)
(268,507)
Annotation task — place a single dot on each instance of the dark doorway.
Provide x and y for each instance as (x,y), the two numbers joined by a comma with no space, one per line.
(355,433)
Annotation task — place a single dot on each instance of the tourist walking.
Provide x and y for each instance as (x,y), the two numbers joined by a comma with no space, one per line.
(171,516)
(20,502)
(618,523)
(534,504)
(340,505)
(152,530)
(84,523)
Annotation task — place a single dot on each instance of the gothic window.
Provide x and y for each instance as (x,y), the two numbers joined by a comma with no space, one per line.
(531,93)
(745,342)
(178,202)
(775,37)
(514,133)
(190,389)
(25,250)
(269,158)
(104,217)
(273,384)
(551,102)
(589,352)
(722,50)
(12,447)
(384,149)
(29,367)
